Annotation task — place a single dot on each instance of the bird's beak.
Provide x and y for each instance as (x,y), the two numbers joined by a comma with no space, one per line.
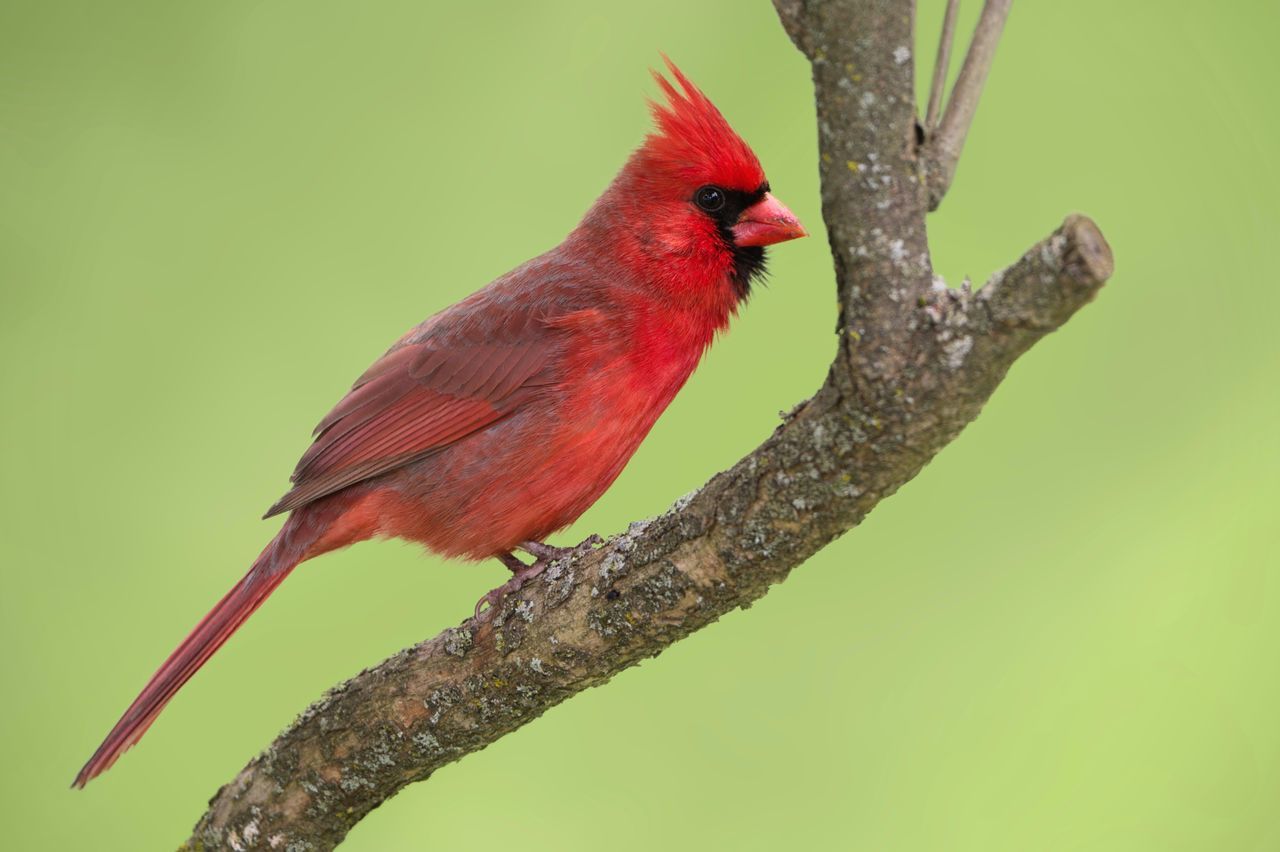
(766,222)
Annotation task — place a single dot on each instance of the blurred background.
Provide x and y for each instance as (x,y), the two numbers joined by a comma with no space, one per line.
(1062,636)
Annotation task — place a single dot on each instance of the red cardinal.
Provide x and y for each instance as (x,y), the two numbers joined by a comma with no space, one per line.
(501,419)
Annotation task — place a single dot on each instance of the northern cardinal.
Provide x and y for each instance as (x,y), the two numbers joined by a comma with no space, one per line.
(501,419)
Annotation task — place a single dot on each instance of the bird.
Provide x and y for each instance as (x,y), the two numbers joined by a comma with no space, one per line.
(501,419)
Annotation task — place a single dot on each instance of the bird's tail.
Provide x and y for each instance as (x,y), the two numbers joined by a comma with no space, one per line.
(280,557)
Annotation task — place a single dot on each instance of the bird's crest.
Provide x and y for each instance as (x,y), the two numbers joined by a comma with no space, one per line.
(694,139)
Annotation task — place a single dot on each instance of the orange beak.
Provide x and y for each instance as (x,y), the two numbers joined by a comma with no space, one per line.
(766,222)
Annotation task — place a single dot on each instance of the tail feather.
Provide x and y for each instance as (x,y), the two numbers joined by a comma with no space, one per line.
(279,558)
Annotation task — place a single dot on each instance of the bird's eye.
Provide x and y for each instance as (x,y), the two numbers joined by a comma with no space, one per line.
(709,198)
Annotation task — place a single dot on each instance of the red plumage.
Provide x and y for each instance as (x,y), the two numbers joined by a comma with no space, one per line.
(502,418)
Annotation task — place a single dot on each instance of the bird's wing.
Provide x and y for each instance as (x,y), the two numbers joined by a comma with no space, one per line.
(424,395)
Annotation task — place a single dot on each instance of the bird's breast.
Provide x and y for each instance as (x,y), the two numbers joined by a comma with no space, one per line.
(538,470)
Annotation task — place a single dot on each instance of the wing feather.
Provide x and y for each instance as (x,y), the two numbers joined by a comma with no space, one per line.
(422,396)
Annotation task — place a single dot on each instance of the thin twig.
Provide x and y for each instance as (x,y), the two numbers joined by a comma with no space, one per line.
(948,141)
(941,67)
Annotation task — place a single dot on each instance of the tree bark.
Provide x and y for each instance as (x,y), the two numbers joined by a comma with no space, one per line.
(915,363)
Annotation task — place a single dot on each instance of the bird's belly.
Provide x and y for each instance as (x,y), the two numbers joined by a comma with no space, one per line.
(521,479)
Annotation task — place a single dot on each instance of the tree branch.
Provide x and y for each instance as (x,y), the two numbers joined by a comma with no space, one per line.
(940,66)
(916,362)
(947,141)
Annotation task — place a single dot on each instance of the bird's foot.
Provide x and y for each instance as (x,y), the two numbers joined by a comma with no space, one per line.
(519,576)
(543,554)
(547,553)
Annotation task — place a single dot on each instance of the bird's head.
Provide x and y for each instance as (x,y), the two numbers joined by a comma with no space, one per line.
(694,196)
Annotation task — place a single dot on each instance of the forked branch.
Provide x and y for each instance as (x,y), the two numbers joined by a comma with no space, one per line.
(915,363)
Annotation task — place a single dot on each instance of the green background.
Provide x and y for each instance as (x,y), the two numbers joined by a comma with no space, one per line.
(1062,636)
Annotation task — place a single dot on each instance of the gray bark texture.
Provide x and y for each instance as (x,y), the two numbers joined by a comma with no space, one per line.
(916,361)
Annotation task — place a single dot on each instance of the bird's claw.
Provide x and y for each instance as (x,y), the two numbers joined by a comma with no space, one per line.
(495,597)
(492,598)
(547,553)
(544,555)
